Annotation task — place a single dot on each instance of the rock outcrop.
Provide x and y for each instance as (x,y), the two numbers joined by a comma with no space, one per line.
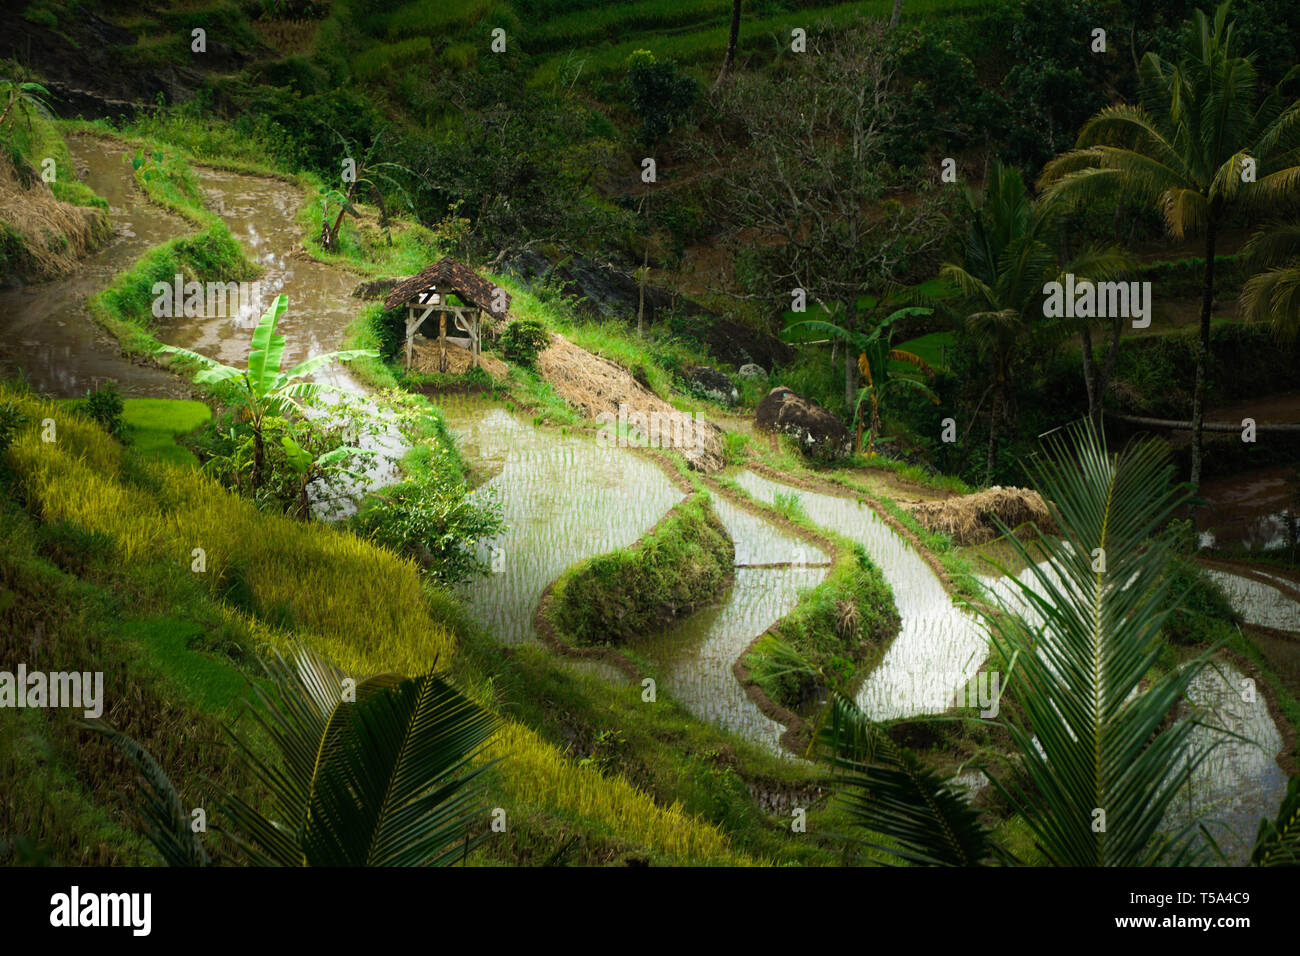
(820,434)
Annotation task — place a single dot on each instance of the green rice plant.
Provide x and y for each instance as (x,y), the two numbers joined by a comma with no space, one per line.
(787,505)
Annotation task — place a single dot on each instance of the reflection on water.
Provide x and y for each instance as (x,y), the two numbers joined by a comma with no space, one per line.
(1252,510)
(938,648)
(1238,782)
(564,498)
(44,329)
(694,657)
(1257,602)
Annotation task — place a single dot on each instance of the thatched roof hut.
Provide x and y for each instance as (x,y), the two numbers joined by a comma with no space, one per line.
(427,291)
(451,276)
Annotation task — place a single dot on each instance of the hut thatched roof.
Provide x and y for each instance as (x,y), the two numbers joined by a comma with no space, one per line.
(449,276)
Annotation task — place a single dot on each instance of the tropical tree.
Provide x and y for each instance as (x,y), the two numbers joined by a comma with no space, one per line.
(811,213)
(1102,750)
(1200,144)
(875,353)
(364,177)
(1010,253)
(20,98)
(379,775)
(1273,294)
(264,389)
(732,38)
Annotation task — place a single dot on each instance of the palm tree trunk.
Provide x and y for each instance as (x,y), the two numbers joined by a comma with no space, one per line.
(994,414)
(1090,374)
(1203,357)
(898,12)
(730,58)
(850,375)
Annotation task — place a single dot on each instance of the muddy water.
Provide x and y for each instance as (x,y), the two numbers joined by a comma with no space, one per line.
(44,329)
(1249,509)
(564,498)
(694,658)
(260,214)
(938,647)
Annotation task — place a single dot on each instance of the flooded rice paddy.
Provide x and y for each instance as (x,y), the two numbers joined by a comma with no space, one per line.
(695,657)
(45,331)
(1238,779)
(939,647)
(1258,603)
(564,498)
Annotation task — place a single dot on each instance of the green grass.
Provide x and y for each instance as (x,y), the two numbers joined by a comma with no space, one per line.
(171,643)
(156,423)
(270,581)
(674,569)
(763,36)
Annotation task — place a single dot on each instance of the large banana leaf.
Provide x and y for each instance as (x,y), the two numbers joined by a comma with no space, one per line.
(267,350)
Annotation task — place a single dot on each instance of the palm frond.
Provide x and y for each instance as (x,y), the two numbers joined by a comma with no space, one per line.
(887,791)
(157,804)
(1101,757)
(378,780)
(1278,841)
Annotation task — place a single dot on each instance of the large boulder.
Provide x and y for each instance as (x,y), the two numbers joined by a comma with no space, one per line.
(711,384)
(820,434)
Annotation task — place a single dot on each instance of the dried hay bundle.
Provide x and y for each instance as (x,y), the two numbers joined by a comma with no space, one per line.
(597,385)
(969,519)
(424,358)
(53,234)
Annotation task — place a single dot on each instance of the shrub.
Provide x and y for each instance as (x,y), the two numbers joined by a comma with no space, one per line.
(432,519)
(104,406)
(523,340)
(1204,614)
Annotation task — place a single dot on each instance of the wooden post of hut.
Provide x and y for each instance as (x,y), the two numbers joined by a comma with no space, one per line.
(442,342)
(427,292)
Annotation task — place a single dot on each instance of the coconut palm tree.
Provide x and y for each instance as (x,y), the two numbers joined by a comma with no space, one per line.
(263,388)
(1102,751)
(1273,294)
(379,776)
(1199,144)
(1008,256)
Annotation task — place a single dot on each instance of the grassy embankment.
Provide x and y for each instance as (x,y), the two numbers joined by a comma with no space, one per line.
(46,227)
(270,581)
(671,571)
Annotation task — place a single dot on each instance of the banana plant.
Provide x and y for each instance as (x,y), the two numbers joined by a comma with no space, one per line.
(264,388)
(875,352)
(308,466)
(20,97)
